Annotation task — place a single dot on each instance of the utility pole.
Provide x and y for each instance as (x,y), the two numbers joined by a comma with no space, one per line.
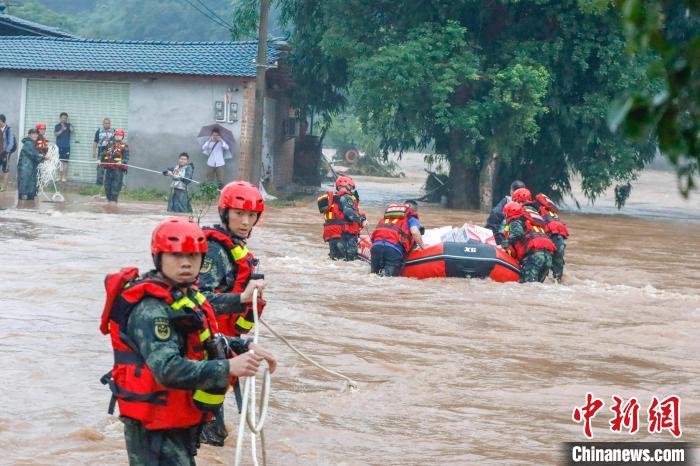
(255,168)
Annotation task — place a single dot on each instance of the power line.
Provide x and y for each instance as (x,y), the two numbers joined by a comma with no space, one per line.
(214,13)
(212,19)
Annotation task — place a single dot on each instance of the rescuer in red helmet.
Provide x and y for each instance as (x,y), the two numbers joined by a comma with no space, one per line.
(228,276)
(343,219)
(172,367)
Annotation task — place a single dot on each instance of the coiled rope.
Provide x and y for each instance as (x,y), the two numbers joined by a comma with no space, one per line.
(46,174)
(249,402)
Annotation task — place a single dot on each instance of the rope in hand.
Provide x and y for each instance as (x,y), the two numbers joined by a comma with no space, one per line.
(249,401)
(96,162)
(46,174)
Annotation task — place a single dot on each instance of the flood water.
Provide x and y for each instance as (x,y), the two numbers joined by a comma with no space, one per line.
(451,372)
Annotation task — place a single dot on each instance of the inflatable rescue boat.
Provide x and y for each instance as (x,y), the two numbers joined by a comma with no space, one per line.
(466,252)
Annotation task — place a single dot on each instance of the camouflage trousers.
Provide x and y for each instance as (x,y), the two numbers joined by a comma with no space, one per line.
(113,181)
(174,447)
(343,248)
(535,266)
(558,256)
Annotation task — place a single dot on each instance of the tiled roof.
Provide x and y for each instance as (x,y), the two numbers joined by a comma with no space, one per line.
(26,27)
(118,56)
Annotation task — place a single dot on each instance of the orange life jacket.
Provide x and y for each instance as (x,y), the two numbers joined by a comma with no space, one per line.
(536,237)
(131,381)
(243,265)
(42,145)
(113,155)
(393,227)
(554,224)
(335,223)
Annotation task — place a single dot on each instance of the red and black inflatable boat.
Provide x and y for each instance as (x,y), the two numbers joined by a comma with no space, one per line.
(468,259)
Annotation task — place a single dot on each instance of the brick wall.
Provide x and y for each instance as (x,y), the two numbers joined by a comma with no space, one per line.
(283,155)
(247,125)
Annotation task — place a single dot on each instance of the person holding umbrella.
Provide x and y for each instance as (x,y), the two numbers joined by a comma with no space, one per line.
(214,148)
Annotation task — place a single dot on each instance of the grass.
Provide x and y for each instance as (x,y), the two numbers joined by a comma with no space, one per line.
(136,194)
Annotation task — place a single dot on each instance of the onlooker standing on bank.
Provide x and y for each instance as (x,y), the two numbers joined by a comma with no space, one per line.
(62,131)
(29,159)
(8,144)
(104,137)
(215,148)
(182,176)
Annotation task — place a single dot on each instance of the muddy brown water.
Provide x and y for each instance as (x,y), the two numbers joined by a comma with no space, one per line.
(450,371)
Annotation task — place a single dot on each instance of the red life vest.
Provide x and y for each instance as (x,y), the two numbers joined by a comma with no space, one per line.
(42,145)
(133,385)
(554,225)
(243,266)
(550,213)
(354,228)
(536,237)
(393,227)
(335,223)
(113,155)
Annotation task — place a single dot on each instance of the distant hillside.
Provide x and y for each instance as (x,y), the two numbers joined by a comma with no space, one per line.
(175,20)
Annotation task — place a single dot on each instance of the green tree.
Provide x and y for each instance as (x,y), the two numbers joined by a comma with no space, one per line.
(503,89)
(670,29)
(35,11)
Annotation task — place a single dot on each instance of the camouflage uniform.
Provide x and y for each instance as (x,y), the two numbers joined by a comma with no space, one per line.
(218,273)
(162,348)
(536,264)
(345,247)
(558,256)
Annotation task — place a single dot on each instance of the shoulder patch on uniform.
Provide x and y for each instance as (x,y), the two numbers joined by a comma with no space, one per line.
(161,328)
(207,265)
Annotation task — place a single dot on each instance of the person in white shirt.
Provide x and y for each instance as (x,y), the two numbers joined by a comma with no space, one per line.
(215,148)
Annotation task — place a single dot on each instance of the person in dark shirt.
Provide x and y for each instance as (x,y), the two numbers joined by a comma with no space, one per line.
(496,220)
(104,137)
(62,132)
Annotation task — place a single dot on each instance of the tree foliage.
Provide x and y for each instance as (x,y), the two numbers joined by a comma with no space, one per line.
(671,30)
(34,11)
(503,89)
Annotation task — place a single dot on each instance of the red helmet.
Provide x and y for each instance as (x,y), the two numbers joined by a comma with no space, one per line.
(240,195)
(178,234)
(41,126)
(345,182)
(546,201)
(119,132)
(513,209)
(522,195)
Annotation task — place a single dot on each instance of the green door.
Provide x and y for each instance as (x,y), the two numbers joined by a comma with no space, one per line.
(87,104)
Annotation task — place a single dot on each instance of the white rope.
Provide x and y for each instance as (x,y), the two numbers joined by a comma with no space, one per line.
(129,166)
(46,174)
(350,382)
(249,402)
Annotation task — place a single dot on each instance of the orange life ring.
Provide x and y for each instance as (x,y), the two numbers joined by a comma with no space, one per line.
(351,156)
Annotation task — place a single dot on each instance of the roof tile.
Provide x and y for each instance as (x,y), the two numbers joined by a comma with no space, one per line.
(115,56)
